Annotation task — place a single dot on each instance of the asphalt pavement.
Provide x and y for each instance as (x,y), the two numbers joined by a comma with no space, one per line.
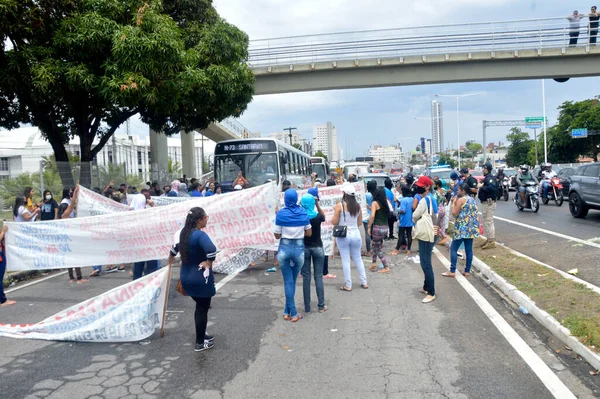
(376,343)
(562,253)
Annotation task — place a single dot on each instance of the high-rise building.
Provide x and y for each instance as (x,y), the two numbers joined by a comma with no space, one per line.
(285,137)
(325,140)
(390,153)
(437,127)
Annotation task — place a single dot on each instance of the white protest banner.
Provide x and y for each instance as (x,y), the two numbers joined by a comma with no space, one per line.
(328,198)
(236,220)
(90,203)
(164,201)
(127,313)
(235,260)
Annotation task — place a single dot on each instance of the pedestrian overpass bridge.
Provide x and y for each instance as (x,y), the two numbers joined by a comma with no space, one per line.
(486,51)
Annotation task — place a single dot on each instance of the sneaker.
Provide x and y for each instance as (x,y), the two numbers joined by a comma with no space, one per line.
(489,245)
(111,270)
(209,338)
(204,346)
(122,270)
(429,298)
(323,309)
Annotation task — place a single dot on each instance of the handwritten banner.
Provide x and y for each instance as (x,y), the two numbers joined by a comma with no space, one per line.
(236,220)
(92,204)
(127,313)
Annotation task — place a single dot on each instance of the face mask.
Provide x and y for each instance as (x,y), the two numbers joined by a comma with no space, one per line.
(70,195)
(420,190)
(48,197)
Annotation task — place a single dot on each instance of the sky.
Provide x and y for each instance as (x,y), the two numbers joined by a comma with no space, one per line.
(384,116)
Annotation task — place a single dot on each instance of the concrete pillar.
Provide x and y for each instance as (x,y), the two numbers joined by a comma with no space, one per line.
(188,153)
(159,157)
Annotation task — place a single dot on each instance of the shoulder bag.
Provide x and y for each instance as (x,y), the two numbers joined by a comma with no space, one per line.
(341,231)
(180,288)
(424,230)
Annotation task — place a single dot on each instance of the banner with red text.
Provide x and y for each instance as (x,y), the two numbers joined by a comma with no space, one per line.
(127,313)
(236,220)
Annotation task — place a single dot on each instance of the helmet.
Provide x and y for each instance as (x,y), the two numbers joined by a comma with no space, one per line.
(488,166)
(524,168)
(548,165)
(500,170)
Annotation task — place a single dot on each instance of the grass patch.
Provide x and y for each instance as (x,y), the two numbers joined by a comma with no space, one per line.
(574,305)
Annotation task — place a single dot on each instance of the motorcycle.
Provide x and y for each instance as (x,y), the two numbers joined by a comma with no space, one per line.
(531,198)
(555,192)
(503,188)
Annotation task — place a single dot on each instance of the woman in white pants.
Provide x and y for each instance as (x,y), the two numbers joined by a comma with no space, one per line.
(348,213)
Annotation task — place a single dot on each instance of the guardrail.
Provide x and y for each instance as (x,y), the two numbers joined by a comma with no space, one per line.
(441,39)
(235,127)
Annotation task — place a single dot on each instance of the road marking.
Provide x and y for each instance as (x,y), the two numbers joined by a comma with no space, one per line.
(537,365)
(33,282)
(227,279)
(553,233)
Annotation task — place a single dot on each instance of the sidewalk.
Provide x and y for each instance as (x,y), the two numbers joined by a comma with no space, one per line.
(375,343)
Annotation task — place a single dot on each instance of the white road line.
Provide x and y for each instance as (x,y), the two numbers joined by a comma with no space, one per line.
(34,282)
(566,237)
(537,365)
(227,279)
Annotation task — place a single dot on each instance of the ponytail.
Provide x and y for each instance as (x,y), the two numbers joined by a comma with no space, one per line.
(194,215)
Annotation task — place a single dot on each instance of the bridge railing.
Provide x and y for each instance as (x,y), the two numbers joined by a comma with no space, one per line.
(426,40)
(234,126)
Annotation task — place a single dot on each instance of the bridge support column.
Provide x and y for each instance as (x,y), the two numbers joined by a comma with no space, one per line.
(188,153)
(159,157)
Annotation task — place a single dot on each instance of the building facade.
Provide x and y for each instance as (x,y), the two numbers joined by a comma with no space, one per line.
(22,150)
(325,140)
(390,153)
(285,137)
(437,127)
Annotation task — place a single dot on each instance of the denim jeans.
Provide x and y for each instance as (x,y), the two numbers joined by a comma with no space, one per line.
(2,271)
(425,251)
(98,269)
(318,259)
(138,268)
(349,247)
(544,188)
(367,235)
(454,253)
(291,259)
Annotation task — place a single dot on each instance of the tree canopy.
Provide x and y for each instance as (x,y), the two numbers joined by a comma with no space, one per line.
(80,68)
(320,154)
(520,146)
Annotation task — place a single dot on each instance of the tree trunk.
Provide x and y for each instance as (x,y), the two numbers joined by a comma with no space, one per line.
(85,171)
(62,163)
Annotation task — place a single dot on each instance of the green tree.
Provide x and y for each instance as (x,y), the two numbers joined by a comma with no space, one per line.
(82,68)
(474,147)
(320,154)
(446,160)
(520,146)
(574,115)
(297,146)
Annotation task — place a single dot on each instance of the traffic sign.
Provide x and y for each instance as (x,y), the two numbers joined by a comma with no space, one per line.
(579,133)
(535,119)
(533,125)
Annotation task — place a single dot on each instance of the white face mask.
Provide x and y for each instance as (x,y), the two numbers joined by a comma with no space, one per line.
(48,197)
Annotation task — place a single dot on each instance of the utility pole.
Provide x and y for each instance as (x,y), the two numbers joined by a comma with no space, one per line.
(289,130)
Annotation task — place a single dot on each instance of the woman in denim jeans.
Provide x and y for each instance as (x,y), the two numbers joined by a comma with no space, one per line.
(466,229)
(291,226)
(313,249)
(348,213)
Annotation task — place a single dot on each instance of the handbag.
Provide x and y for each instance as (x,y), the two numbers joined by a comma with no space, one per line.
(341,231)
(424,228)
(180,288)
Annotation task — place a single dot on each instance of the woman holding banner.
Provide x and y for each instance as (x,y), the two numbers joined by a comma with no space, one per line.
(291,226)
(197,279)
(3,300)
(66,210)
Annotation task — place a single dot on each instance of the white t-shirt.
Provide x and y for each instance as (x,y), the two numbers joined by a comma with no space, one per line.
(68,202)
(574,20)
(22,211)
(138,202)
(292,233)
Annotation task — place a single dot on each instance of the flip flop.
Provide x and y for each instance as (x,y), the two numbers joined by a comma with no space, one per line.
(449,274)
(344,288)
(297,318)
(365,286)
(8,302)
(330,276)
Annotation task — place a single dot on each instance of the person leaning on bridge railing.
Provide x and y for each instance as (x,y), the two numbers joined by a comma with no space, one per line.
(594,17)
(574,27)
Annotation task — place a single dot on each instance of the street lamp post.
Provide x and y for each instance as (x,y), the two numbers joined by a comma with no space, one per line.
(458,97)
(289,129)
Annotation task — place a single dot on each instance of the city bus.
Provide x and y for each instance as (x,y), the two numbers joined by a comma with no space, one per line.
(260,160)
(356,168)
(320,166)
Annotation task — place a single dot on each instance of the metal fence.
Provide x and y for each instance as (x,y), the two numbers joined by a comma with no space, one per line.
(442,39)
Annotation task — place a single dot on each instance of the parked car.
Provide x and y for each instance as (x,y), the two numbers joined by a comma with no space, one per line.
(584,193)
(441,173)
(477,175)
(565,178)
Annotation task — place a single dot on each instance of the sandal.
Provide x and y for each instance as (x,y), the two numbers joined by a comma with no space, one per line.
(344,288)
(330,276)
(394,253)
(422,291)
(373,268)
(449,274)
(466,274)
(8,302)
(82,281)
(384,270)
(297,318)
(96,273)
(365,286)
(286,317)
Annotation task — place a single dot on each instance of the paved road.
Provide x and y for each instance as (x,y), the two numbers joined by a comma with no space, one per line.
(375,343)
(559,252)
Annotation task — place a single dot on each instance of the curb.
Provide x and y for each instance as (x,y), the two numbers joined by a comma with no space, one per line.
(544,318)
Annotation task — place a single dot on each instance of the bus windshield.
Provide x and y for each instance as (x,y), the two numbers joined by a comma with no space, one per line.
(256,168)
(319,169)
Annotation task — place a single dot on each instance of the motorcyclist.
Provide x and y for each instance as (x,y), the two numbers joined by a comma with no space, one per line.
(500,175)
(524,176)
(545,174)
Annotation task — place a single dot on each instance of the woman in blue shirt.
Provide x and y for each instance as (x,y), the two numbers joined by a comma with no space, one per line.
(197,279)
(406,223)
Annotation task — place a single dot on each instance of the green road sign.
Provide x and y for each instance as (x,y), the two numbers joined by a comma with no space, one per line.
(533,119)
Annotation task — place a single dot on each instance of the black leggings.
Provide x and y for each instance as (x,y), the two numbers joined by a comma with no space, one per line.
(326,266)
(201,317)
(77,271)
(391,221)
(402,240)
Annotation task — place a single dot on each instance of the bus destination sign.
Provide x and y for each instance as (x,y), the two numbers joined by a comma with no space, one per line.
(247,146)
